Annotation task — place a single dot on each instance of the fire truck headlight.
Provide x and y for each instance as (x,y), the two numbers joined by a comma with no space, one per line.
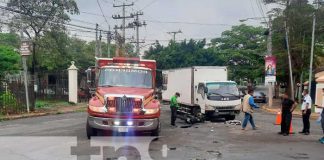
(151,110)
(98,109)
(116,123)
(130,123)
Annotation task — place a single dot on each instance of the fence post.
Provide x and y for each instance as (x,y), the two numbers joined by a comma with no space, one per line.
(73,83)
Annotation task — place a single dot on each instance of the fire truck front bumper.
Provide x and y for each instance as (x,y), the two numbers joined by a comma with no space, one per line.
(123,125)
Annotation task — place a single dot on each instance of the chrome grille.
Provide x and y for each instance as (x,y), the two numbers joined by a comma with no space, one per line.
(225,108)
(124,105)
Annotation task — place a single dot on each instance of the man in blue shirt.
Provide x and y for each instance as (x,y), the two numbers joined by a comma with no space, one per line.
(247,108)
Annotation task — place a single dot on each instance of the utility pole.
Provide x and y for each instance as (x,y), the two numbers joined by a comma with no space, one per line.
(123,27)
(312,50)
(99,44)
(96,49)
(174,34)
(289,60)
(137,25)
(269,48)
(109,35)
(289,55)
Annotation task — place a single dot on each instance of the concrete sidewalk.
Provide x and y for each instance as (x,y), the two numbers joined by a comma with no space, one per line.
(276,107)
(81,107)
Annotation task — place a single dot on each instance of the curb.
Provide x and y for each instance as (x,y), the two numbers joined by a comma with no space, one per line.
(275,111)
(32,115)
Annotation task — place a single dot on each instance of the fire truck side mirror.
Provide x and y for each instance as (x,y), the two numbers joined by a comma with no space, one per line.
(91,77)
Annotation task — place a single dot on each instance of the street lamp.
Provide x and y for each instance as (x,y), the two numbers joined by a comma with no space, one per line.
(252,18)
(25,52)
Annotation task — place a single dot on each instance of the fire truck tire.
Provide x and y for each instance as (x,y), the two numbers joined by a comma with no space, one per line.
(156,132)
(91,131)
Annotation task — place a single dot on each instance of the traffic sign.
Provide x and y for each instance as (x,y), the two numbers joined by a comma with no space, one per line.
(24,48)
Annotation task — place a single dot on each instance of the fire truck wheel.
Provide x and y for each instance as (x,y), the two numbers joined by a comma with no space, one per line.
(156,132)
(90,131)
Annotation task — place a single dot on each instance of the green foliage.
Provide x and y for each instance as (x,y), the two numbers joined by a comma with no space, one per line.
(298,17)
(57,50)
(41,104)
(241,49)
(9,60)
(40,15)
(9,39)
(8,102)
(41,20)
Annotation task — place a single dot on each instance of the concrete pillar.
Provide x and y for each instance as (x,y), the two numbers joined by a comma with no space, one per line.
(73,83)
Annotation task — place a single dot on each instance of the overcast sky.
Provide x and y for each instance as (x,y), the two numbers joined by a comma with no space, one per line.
(212,17)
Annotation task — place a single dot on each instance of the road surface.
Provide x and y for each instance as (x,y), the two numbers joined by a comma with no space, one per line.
(209,140)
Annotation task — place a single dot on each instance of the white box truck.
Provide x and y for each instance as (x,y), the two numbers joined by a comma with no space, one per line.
(205,91)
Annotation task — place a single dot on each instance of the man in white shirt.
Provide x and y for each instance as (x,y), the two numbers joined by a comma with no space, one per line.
(306,112)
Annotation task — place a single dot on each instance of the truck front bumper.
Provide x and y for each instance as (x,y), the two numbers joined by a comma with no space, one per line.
(225,112)
(123,125)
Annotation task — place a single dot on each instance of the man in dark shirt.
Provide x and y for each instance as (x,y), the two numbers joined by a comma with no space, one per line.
(288,106)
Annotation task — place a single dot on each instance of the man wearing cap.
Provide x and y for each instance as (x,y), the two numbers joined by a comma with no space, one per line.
(174,106)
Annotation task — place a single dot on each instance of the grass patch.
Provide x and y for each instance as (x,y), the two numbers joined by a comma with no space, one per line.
(40,104)
(299,107)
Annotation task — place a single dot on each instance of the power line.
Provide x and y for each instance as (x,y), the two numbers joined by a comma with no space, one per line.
(102,12)
(82,21)
(190,23)
(259,5)
(90,13)
(152,2)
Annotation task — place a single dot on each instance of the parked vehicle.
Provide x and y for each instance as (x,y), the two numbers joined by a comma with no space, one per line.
(123,100)
(259,97)
(205,91)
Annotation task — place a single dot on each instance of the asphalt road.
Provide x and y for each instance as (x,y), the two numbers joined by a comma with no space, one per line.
(209,140)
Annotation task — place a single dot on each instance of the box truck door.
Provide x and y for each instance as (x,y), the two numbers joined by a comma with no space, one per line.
(201,96)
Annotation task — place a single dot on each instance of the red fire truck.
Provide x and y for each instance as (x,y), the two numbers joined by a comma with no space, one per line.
(124,97)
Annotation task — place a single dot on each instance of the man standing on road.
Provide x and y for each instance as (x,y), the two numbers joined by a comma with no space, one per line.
(174,106)
(322,117)
(306,112)
(248,105)
(287,107)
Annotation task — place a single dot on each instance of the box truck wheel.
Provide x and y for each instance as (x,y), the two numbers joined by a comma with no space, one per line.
(231,117)
(196,111)
(90,131)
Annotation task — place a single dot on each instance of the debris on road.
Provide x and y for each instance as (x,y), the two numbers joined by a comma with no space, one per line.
(172,148)
(216,153)
(186,126)
(234,122)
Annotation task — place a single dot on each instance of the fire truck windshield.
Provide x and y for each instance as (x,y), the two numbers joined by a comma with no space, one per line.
(125,77)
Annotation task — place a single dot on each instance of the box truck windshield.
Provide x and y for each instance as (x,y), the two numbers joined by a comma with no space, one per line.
(125,77)
(222,89)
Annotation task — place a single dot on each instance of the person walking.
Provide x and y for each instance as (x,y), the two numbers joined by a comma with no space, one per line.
(322,117)
(287,107)
(174,106)
(306,112)
(247,108)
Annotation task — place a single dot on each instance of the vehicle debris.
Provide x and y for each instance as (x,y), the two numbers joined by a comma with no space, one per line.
(234,122)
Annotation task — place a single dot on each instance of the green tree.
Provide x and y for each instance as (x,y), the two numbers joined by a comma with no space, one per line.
(9,61)
(9,39)
(38,16)
(297,15)
(243,49)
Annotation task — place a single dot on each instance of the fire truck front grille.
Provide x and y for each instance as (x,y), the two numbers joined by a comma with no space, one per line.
(124,105)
